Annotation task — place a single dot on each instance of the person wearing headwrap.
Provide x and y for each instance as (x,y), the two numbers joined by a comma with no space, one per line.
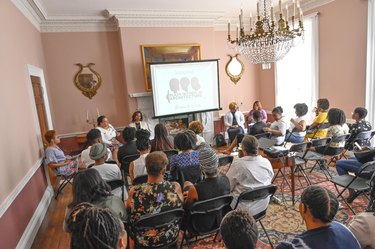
(108,171)
(215,184)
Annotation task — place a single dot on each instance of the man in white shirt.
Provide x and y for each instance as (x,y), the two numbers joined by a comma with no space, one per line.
(107,171)
(93,137)
(249,172)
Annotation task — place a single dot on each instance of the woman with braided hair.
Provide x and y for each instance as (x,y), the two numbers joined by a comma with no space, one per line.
(318,208)
(363,224)
(95,227)
(88,186)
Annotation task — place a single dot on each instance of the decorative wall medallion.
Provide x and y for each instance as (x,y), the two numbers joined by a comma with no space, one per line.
(87,80)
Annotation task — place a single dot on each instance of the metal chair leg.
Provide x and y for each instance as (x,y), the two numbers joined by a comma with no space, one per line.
(265,231)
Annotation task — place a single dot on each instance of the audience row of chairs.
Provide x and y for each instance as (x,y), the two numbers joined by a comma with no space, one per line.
(202,219)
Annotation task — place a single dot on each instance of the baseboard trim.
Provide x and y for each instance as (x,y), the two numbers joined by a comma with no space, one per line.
(32,228)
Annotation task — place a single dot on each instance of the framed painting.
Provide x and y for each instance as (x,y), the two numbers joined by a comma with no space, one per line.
(167,53)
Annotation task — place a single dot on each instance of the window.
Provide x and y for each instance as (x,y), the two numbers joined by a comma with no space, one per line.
(297,75)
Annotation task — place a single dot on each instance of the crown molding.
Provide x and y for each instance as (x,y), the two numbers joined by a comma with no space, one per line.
(164,18)
(35,12)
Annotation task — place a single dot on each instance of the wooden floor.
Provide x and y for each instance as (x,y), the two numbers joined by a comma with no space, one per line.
(51,234)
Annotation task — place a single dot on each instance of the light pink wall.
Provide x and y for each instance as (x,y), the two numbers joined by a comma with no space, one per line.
(62,51)
(213,46)
(20,44)
(246,91)
(343,32)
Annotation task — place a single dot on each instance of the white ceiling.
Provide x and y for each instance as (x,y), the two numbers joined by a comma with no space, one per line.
(96,15)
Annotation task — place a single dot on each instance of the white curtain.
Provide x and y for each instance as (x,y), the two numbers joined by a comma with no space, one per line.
(297,75)
(370,68)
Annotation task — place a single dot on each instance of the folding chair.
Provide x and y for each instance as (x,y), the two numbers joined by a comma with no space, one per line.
(192,174)
(363,137)
(204,217)
(298,152)
(256,194)
(320,127)
(140,179)
(117,184)
(66,179)
(125,164)
(317,157)
(164,220)
(226,161)
(265,135)
(358,183)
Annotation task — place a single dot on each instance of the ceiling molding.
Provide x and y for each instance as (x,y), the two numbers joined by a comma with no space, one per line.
(112,19)
(164,18)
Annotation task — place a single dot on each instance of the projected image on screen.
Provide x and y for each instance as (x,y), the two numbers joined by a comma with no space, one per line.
(185,87)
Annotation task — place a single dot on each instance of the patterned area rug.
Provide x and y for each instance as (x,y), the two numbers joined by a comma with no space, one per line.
(283,221)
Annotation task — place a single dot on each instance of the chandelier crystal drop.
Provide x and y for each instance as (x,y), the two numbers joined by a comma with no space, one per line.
(269,38)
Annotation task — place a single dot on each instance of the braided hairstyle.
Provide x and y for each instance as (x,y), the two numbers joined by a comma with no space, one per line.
(371,204)
(321,202)
(89,186)
(94,227)
(143,139)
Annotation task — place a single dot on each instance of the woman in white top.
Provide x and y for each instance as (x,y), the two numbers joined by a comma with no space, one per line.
(108,132)
(297,129)
(137,122)
(279,126)
(138,167)
(235,121)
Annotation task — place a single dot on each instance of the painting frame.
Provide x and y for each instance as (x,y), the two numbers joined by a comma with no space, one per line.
(167,53)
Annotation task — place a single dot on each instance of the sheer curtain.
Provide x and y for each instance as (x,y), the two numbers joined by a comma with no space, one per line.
(370,73)
(297,75)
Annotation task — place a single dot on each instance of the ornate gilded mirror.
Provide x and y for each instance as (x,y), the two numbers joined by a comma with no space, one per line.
(234,68)
(87,80)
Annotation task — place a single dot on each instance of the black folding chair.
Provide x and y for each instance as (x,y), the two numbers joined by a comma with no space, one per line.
(169,154)
(164,220)
(256,194)
(192,174)
(117,184)
(226,161)
(204,217)
(125,164)
(363,137)
(359,183)
(317,157)
(320,127)
(298,152)
(140,179)
(66,179)
(265,135)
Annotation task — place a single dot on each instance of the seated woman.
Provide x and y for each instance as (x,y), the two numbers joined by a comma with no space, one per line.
(297,129)
(363,224)
(360,125)
(129,147)
(91,225)
(278,127)
(187,156)
(255,129)
(235,121)
(138,167)
(109,134)
(88,186)
(336,119)
(154,197)
(318,208)
(55,157)
(257,106)
(321,112)
(214,184)
(137,121)
(162,141)
(197,128)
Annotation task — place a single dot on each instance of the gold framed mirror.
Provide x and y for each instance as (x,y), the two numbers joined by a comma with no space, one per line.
(234,68)
(87,80)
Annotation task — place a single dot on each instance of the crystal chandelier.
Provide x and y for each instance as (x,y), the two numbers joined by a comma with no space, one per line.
(269,39)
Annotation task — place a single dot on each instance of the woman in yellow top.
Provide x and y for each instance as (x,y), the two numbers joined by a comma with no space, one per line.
(321,117)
